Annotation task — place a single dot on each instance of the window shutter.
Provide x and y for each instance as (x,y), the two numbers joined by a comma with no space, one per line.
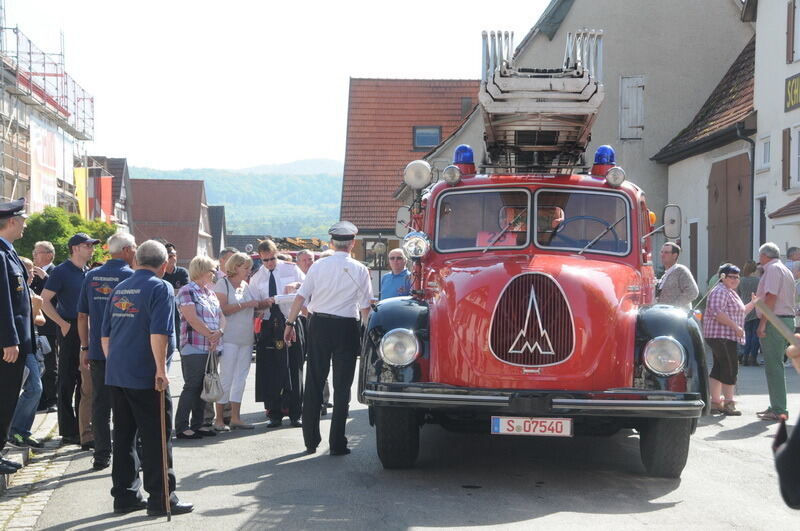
(790,32)
(787,160)
(631,107)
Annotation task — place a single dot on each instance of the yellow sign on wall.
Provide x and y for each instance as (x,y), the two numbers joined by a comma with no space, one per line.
(791,97)
(81,191)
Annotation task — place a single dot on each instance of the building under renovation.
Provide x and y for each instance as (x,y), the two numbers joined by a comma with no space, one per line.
(44,117)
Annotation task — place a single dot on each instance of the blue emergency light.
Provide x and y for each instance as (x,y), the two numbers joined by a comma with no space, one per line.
(605,155)
(463,155)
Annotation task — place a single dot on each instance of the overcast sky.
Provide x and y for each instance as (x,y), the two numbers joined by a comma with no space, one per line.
(192,84)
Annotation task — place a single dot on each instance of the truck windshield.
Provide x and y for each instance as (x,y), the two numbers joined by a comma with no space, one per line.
(572,220)
(476,219)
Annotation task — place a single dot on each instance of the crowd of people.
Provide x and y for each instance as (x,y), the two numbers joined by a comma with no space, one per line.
(96,344)
(733,329)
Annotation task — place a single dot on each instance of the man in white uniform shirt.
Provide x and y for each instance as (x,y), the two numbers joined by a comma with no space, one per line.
(277,370)
(339,288)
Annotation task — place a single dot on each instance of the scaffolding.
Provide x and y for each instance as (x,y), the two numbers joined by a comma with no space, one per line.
(39,79)
(33,82)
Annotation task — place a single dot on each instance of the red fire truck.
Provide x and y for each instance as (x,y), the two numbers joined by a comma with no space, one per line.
(533,309)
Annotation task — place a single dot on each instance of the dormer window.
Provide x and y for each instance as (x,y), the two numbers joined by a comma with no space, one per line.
(426,137)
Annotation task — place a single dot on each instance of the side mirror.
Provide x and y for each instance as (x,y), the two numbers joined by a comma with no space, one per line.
(672,222)
(402,224)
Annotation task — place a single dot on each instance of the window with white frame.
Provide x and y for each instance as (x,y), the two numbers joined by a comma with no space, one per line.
(795,22)
(794,153)
(763,153)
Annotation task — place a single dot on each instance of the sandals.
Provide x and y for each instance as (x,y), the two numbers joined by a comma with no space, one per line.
(729,409)
(221,427)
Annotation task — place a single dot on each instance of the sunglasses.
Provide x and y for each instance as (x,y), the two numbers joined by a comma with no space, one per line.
(396,258)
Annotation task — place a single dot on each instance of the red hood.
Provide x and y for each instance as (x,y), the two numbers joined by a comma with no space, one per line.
(602,297)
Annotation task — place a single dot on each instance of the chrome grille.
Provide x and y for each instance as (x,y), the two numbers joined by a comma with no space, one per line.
(532,322)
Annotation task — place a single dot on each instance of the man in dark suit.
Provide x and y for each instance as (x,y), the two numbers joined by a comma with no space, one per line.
(16,319)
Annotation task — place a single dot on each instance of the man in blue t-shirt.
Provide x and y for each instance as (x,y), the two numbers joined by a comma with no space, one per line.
(65,283)
(396,282)
(137,327)
(97,287)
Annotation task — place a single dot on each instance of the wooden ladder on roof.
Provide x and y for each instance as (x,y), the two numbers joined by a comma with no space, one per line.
(539,120)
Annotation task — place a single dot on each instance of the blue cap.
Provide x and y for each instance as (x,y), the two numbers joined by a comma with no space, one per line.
(605,155)
(464,155)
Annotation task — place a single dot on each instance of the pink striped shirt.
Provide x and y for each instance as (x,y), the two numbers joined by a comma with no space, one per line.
(727,301)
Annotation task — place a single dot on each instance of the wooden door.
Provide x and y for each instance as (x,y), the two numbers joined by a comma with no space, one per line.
(729,219)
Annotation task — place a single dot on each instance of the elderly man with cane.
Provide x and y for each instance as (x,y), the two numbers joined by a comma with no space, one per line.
(137,326)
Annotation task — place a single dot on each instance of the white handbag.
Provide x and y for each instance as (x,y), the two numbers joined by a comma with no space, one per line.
(212,386)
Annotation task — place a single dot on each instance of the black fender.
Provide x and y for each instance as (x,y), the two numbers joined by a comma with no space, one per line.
(388,314)
(678,323)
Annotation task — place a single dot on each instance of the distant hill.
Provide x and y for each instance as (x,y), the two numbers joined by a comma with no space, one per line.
(299,167)
(263,201)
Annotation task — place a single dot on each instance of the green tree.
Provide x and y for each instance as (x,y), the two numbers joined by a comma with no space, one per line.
(57,226)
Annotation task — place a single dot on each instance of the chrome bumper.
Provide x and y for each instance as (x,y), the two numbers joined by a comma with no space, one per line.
(646,403)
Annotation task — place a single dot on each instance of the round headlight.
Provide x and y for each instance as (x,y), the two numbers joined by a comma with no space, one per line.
(664,356)
(416,244)
(451,175)
(399,347)
(615,176)
(417,174)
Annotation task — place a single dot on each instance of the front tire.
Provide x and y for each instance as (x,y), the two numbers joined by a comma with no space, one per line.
(664,446)
(397,436)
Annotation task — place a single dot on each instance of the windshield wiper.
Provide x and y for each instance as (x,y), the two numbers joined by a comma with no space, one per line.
(505,229)
(597,238)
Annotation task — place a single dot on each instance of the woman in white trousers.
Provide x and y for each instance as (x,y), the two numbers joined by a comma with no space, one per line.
(238,305)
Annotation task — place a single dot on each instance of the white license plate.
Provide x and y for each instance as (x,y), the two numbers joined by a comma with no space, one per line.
(541,426)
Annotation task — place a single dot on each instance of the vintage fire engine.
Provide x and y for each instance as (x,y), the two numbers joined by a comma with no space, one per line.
(532,310)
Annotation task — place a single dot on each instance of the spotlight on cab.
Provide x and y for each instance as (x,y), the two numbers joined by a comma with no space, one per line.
(417,174)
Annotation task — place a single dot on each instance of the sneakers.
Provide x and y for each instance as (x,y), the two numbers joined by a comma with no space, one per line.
(24,441)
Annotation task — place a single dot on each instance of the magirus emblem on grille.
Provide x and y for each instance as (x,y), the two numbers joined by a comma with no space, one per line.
(542,343)
(532,324)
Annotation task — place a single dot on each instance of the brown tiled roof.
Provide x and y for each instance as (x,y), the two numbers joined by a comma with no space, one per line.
(381,116)
(790,209)
(169,209)
(715,123)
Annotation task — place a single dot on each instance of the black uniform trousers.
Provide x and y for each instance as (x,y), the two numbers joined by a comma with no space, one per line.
(101,409)
(337,340)
(138,409)
(10,385)
(278,371)
(50,374)
(278,377)
(69,381)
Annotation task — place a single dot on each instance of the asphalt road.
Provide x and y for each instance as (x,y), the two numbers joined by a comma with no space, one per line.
(263,479)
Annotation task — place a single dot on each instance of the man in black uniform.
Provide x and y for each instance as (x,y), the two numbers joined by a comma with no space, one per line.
(16,319)
(337,288)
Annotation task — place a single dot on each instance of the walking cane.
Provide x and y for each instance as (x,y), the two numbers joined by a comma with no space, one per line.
(165,476)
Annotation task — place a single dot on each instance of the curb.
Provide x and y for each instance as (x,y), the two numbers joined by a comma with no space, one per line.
(44,427)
